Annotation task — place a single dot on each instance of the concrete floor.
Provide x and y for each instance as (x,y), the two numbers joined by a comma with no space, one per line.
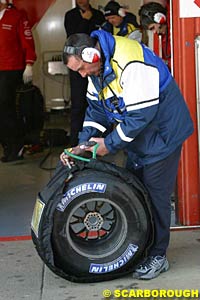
(24,276)
(22,273)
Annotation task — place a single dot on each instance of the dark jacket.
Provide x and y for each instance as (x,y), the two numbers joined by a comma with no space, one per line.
(74,23)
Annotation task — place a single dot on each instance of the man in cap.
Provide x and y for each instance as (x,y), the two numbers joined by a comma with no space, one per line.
(120,22)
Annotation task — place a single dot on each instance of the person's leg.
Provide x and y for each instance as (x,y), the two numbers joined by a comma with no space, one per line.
(159,179)
(11,135)
(78,87)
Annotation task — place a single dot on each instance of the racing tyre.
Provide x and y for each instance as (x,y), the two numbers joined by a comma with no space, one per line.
(101,227)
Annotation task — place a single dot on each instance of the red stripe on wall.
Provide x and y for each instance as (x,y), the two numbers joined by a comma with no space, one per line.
(15,238)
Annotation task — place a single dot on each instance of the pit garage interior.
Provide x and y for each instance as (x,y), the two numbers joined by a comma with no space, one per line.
(21,181)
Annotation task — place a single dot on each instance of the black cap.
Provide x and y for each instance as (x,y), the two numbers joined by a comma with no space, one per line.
(112,8)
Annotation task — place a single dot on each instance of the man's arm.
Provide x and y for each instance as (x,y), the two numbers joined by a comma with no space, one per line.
(27,40)
(28,47)
(95,123)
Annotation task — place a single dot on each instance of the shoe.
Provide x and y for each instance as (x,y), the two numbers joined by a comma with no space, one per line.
(151,267)
(15,153)
(11,158)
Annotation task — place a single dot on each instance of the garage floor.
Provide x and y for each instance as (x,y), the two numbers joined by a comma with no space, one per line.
(21,181)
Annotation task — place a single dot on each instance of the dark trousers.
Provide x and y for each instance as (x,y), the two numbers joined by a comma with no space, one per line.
(159,179)
(10,129)
(78,86)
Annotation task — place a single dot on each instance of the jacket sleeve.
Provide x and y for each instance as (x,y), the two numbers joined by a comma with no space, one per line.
(27,40)
(128,130)
(95,123)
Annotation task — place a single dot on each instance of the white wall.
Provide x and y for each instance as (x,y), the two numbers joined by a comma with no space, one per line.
(49,35)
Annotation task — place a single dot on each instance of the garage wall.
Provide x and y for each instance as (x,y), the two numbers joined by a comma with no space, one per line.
(185,32)
(50,36)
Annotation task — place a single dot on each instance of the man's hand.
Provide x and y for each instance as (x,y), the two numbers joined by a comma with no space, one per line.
(28,74)
(66,159)
(101,150)
(82,149)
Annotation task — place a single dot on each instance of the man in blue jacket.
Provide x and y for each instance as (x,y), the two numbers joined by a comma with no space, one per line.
(135,105)
(120,22)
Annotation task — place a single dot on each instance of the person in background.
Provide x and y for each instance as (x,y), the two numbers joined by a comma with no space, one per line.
(17,55)
(120,22)
(81,19)
(154,16)
(131,88)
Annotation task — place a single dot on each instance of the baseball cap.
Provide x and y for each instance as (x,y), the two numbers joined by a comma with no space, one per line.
(112,8)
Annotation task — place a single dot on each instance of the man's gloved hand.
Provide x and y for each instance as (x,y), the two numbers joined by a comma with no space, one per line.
(28,74)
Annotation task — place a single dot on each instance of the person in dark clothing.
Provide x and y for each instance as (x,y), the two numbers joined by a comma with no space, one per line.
(81,19)
(120,22)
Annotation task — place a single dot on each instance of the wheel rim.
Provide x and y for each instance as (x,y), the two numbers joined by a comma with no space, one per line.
(94,222)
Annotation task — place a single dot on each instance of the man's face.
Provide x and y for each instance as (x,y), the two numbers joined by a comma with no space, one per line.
(83,68)
(83,4)
(157,28)
(114,20)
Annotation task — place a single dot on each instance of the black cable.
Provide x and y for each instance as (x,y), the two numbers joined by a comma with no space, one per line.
(114,100)
(43,161)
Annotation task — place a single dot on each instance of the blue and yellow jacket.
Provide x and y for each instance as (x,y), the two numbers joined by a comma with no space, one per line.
(136,103)
(128,28)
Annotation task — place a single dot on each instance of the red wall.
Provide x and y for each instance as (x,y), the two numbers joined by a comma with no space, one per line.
(35,9)
(184,32)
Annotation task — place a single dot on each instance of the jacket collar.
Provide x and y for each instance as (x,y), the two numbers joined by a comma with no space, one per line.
(107,44)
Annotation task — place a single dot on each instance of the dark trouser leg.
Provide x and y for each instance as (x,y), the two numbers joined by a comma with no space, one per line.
(159,179)
(11,133)
(78,87)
